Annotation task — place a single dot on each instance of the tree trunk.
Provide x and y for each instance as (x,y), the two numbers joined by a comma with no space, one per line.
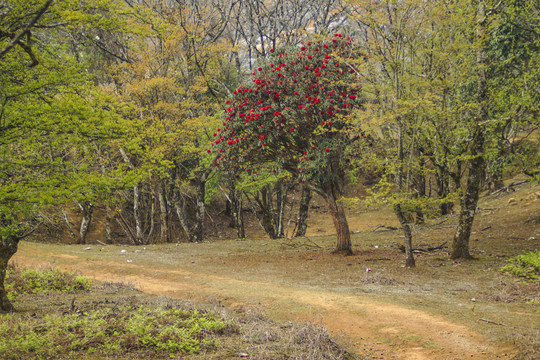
(238,214)
(137,215)
(87,209)
(266,213)
(184,221)
(301,224)
(281,199)
(339,217)
(68,224)
(469,200)
(420,180)
(8,248)
(108,230)
(409,256)
(163,222)
(200,211)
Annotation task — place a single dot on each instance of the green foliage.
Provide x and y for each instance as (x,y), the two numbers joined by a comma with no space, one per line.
(526,265)
(107,330)
(30,281)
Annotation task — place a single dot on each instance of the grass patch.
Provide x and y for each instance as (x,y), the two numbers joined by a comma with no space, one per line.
(108,330)
(526,265)
(31,281)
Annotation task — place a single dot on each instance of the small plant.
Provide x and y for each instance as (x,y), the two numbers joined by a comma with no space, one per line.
(526,265)
(31,281)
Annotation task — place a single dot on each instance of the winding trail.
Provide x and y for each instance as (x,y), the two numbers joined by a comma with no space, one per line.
(378,330)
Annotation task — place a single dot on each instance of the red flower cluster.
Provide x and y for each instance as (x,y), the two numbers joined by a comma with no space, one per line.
(298,104)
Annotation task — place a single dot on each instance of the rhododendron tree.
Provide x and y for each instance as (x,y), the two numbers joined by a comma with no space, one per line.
(297,115)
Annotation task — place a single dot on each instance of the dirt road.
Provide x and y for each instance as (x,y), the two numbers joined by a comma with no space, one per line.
(377,330)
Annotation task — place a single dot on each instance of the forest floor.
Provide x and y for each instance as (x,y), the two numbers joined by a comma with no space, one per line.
(442,309)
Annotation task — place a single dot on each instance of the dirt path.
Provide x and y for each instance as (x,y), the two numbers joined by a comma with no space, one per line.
(377,330)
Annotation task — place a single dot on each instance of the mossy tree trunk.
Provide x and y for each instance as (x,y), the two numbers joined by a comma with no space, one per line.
(8,248)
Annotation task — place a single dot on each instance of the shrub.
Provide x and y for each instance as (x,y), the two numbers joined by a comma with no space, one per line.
(31,281)
(526,265)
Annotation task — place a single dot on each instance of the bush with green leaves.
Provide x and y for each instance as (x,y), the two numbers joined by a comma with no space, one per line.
(526,265)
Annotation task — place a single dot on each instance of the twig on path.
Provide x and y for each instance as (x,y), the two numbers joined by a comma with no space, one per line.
(491,322)
(298,244)
(429,249)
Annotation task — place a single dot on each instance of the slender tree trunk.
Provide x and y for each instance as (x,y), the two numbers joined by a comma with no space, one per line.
(266,213)
(409,256)
(137,214)
(87,209)
(238,215)
(281,199)
(68,224)
(108,230)
(337,211)
(164,224)
(125,227)
(152,222)
(200,211)
(469,200)
(421,188)
(301,224)
(8,248)
(184,221)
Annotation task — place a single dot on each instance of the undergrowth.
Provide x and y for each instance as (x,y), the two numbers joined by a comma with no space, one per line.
(526,265)
(113,321)
(108,330)
(31,281)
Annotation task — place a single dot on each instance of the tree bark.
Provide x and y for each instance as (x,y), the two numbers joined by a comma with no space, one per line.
(301,223)
(339,218)
(409,256)
(8,248)
(469,201)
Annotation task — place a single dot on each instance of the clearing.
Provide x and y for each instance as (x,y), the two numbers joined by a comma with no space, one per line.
(442,309)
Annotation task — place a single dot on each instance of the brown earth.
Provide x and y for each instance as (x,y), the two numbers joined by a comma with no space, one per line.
(441,309)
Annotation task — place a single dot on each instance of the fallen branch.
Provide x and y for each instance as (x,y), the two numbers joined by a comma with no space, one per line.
(510,187)
(385,228)
(429,249)
(298,244)
(491,322)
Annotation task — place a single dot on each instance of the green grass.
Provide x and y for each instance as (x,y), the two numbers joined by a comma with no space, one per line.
(526,265)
